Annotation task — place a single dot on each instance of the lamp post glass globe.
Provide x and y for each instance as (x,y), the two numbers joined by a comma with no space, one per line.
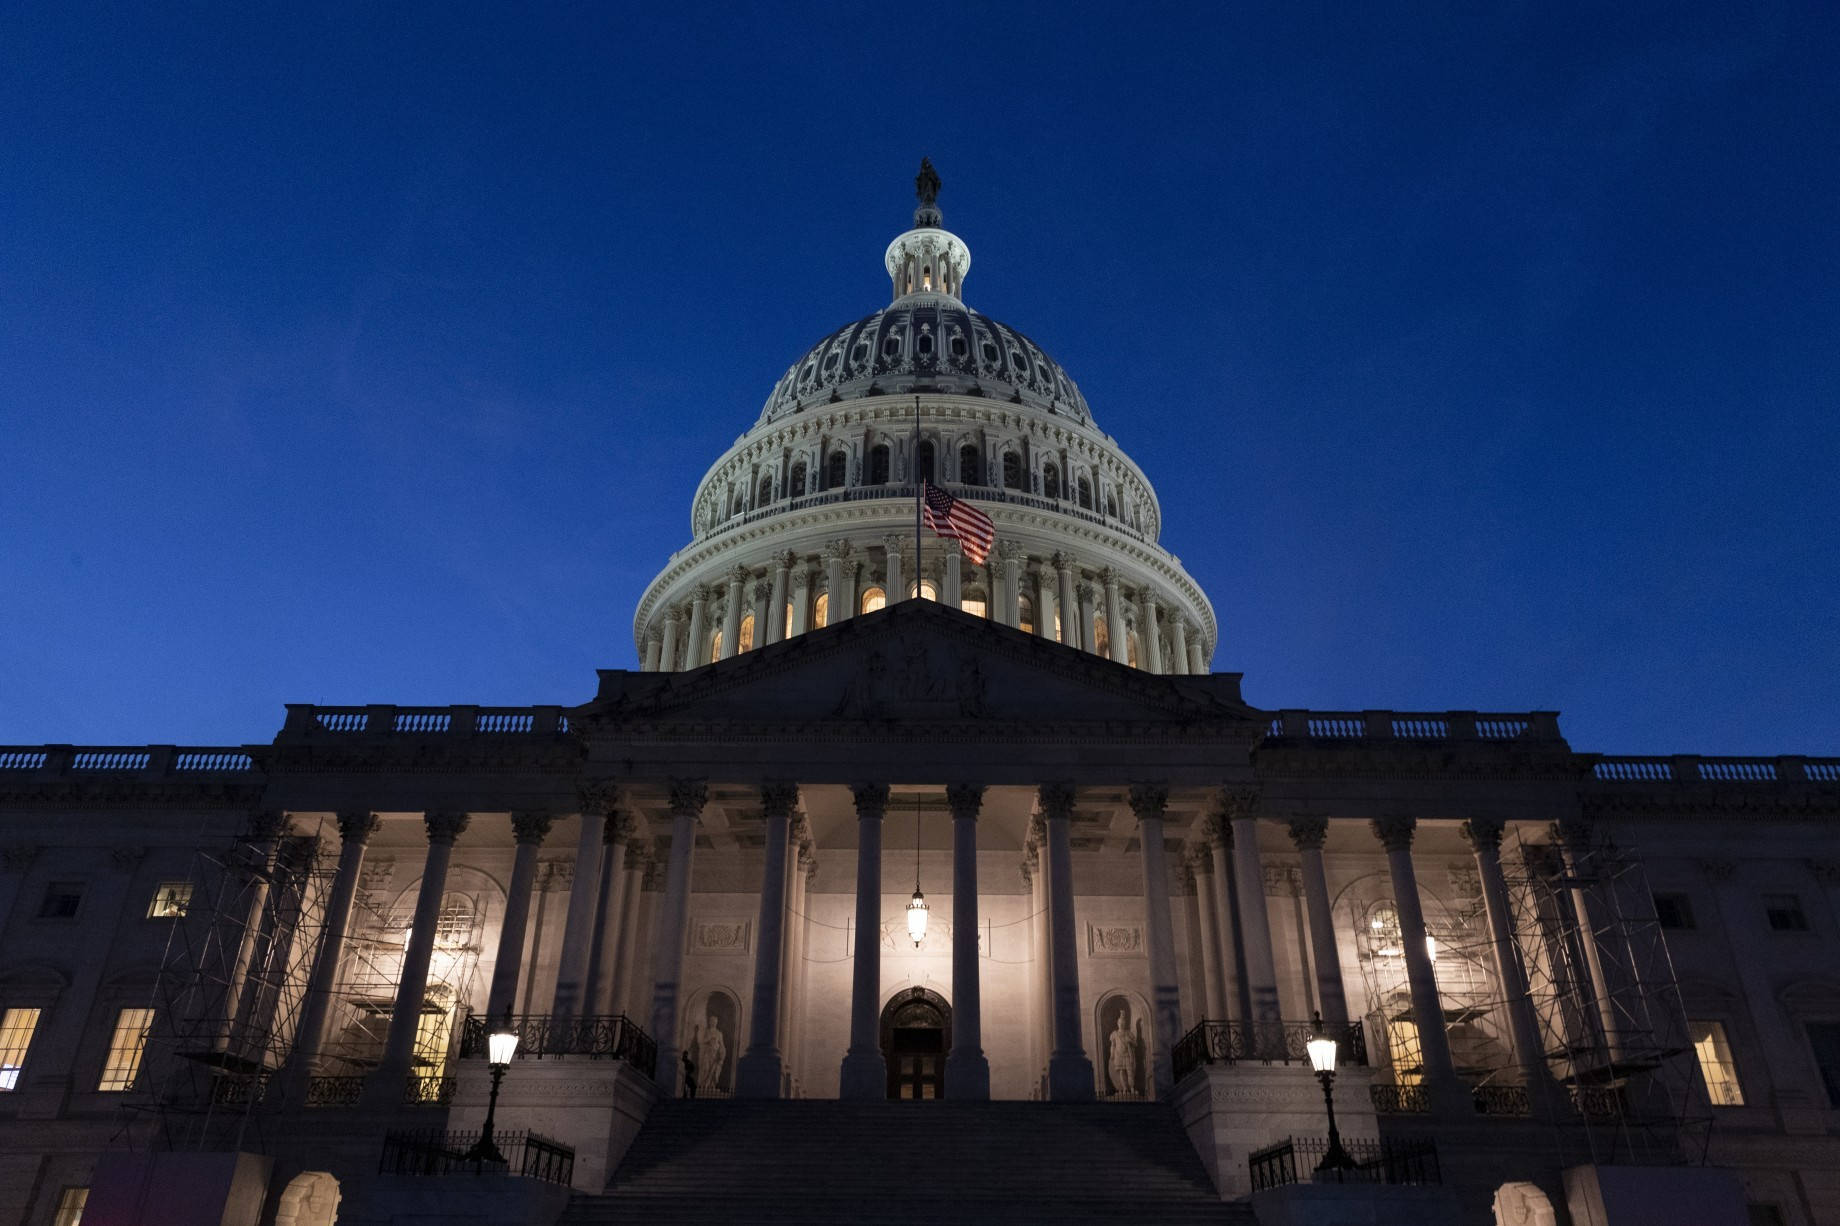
(1322,1055)
(1322,1059)
(501,1046)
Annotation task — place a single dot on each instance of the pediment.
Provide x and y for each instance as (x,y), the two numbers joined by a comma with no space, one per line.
(918,663)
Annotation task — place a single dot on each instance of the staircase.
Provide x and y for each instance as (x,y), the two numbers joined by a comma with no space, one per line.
(818,1161)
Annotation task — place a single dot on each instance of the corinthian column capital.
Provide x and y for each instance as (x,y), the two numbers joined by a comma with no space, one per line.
(1395,831)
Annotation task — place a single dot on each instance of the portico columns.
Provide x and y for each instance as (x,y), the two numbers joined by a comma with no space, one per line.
(865,1072)
(896,590)
(654,648)
(763,592)
(1240,807)
(1070,1073)
(1574,836)
(626,959)
(597,996)
(673,631)
(529,829)
(387,1083)
(1447,1092)
(1118,642)
(1484,835)
(954,594)
(1308,834)
(967,1071)
(697,653)
(731,613)
(1089,634)
(1153,644)
(838,606)
(1227,921)
(687,799)
(355,830)
(1148,801)
(1070,609)
(1047,606)
(1009,554)
(758,1074)
(776,610)
(1197,656)
(801,602)
(1178,645)
(584,896)
(1214,1003)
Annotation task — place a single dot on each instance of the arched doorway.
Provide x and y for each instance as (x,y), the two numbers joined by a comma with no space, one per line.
(916,1035)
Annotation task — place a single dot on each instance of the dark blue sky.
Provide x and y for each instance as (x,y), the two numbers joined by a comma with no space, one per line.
(1481,360)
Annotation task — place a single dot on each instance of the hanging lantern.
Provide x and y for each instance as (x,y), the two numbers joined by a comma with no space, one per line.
(916,916)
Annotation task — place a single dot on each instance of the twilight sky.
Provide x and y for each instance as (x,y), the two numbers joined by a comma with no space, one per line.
(1480,359)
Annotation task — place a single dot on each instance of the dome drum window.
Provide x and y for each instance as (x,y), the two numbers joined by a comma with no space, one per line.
(1012,471)
(835,471)
(969,466)
(878,465)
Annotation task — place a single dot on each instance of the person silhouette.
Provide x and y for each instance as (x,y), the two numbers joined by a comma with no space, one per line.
(689,1074)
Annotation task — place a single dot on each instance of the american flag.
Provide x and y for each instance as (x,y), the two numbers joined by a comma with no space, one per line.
(958,519)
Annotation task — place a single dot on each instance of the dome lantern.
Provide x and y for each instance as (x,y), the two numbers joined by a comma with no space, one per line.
(927,259)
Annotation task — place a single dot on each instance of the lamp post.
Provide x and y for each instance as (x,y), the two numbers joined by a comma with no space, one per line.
(1322,1059)
(500,1047)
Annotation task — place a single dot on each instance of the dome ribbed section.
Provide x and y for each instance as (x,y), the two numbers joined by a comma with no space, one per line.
(926,343)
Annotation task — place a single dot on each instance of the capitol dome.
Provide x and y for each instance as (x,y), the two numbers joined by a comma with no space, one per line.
(809,517)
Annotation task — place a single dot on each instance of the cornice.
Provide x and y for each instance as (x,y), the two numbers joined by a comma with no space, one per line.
(120,793)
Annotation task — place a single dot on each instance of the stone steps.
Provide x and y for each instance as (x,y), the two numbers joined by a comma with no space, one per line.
(819,1161)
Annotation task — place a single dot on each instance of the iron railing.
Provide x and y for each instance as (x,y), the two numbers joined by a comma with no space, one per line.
(428,1091)
(1270,1042)
(1395,1161)
(1391,1098)
(428,1152)
(334,1091)
(1599,1102)
(1502,1100)
(540,1034)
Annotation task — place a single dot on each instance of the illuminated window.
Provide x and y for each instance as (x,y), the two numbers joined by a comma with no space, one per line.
(745,640)
(715,647)
(821,611)
(1102,636)
(1050,481)
(70,1207)
(975,607)
(1402,1051)
(16,1027)
(126,1045)
(789,622)
(1716,1064)
(873,599)
(928,591)
(1058,637)
(454,926)
(1025,614)
(1130,648)
(432,1032)
(61,901)
(170,900)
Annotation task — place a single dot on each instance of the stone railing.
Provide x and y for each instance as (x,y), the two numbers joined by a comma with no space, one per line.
(1692,768)
(1415,726)
(905,493)
(124,761)
(1233,1042)
(305,721)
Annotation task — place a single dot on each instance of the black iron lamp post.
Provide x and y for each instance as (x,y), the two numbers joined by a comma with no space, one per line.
(1322,1059)
(500,1048)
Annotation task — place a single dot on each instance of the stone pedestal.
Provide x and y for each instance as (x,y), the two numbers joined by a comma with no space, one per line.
(593,1105)
(1230,1110)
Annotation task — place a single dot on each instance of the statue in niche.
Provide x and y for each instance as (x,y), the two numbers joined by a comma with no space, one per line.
(1124,1048)
(712,1055)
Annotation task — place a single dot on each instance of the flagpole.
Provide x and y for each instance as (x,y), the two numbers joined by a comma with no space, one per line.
(916,462)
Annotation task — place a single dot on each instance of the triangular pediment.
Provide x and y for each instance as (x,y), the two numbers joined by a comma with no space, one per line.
(917,662)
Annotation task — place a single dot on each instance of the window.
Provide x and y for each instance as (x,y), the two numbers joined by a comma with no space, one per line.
(878,465)
(454,925)
(836,471)
(715,648)
(968,466)
(927,464)
(820,611)
(798,480)
(1402,1051)
(62,898)
(1050,481)
(170,900)
(1111,507)
(1824,1038)
(1085,488)
(789,622)
(764,494)
(745,640)
(873,599)
(975,605)
(1716,1064)
(1102,636)
(1025,615)
(123,1064)
(1130,647)
(1012,471)
(1674,910)
(928,590)
(70,1207)
(16,1027)
(1784,912)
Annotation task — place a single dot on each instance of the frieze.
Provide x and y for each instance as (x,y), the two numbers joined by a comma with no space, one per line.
(98,794)
(721,936)
(1114,940)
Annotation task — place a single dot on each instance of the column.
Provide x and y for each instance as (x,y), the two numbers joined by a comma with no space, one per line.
(696,652)
(1447,1093)
(1047,602)
(1148,800)
(758,1073)
(850,590)
(731,612)
(1031,1000)
(673,634)
(776,608)
(1178,645)
(763,594)
(897,590)
(1088,593)
(687,799)
(244,989)
(834,554)
(1070,1073)
(1197,657)
(953,595)
(1068,570)
(1119,643)
(632,897)
(789,946)
(584,895)
(967,1071)
(1009,555)
(1227,919)
(801,602)
(597,996)
(654,650)
(1153,639)
(1214,1003)
(803,872)
(529,829)
(1573,836)
(865,1072)
(1240,807)
(1308,834)
(355,830)
(1543,1094)
(387,1083)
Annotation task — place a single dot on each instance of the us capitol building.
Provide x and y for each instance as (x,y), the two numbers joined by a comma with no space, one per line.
(881,818)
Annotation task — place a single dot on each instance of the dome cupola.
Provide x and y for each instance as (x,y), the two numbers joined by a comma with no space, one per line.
(928,259)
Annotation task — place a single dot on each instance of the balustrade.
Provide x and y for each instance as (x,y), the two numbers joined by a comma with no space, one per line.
(615,1037)
(1230,1042)
(429,1152)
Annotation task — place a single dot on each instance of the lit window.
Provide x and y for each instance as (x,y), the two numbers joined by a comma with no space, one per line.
(1674,910)
(125,1048)
(1102,637)
(873,599)
(745,640)
(1025,615)
(1130,648)
(70,1207)
(977,608)
(715,647)
(1403,1053)
(928,590)
(789,622)
(1716,1064)
(432,1032)
(454,926)
(170,900)
(820,612)
(62,898)
(16,1027)
(1784,912)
